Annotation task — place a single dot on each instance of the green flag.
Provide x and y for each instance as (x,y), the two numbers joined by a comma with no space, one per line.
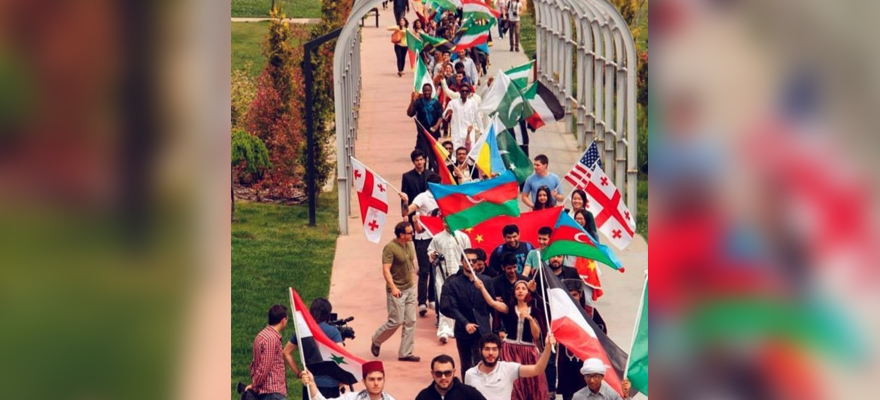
(414,43)
(513,106)
(437,43)
(637,366)
(421,77)
(520,74)
(514,158)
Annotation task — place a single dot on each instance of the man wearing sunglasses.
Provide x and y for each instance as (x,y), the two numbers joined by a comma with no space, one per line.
(446,386)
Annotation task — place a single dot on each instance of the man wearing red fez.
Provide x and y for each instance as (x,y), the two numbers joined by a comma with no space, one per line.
(374,381)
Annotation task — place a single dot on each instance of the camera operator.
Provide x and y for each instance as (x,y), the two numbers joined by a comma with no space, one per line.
(320,310)
(445,251)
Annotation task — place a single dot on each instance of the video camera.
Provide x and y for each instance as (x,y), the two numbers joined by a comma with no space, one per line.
(346,331)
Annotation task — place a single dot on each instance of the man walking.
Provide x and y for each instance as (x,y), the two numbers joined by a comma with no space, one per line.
(414,181)
(541,177)
(462,301)
(494,378)
(462,116)
(514,9)
(401,7)
(447,245)
(397,268)
(267,366)
(429,114)
(446,385)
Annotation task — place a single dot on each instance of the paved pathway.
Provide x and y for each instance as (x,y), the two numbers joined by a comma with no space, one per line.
(384,142)
(291,20)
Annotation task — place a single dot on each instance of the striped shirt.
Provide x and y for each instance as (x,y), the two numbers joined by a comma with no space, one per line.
(267,367)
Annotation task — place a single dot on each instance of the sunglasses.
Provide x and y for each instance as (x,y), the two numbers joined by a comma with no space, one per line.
(439,374)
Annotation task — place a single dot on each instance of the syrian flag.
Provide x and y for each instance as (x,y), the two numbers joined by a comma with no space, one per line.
(606,203)
(373,199)
(545,106)
(572,327)
(321,355)
(473,35)
(478,10)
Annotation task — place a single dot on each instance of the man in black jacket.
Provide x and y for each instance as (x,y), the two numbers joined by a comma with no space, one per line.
(446,386)
(463,302)
(401,7)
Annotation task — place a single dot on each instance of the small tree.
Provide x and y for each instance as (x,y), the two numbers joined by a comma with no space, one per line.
(249,155)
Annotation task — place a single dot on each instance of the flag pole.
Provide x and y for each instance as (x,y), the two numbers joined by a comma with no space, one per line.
(374,173)
(635,331)
(299,345)
(544,292)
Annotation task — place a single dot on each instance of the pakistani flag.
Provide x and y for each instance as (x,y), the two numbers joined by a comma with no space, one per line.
(520,74)
(513,106)
(514,158)
(321,355)
(422,77)
(637,366)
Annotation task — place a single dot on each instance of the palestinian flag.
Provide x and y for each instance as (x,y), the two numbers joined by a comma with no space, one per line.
(545,107)
(514,158)
(470,203)
(472,34)
(440,156)
(437,43)
(414,45)
(322,355)
(580,335)
(421,77)
(570,239)
(478,10)
(637,366)
(520,74)
(487,235)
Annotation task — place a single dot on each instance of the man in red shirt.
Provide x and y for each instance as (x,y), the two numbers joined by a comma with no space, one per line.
(267,368)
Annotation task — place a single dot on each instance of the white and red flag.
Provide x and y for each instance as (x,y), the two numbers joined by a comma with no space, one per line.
(608,208)
(372,193)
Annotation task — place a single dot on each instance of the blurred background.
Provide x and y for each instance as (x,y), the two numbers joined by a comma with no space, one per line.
(764,198)
(114,222)
(114,191)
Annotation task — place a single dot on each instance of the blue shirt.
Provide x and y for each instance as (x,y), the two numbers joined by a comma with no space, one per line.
(334,335)
(533,182)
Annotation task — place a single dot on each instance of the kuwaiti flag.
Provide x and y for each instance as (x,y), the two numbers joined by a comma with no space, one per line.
(606,204)
(468,204)
(472,35)
(520,74)
(321,355)
(422,77)
(478,10)
(544,104)
(572,327)
(373,199)
(570,239)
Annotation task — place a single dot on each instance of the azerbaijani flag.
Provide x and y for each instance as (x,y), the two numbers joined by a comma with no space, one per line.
(440,156)
(422,77)
(488,158)
(519,74)
(322,356)
(478,10)
(487,234)
(570,239)
(470,203)
(472,35)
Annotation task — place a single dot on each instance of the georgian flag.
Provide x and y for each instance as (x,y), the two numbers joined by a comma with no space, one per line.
(321,355)
(372,193)
(606,203)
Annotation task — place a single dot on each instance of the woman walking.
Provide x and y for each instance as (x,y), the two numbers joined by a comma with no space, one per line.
(398,37)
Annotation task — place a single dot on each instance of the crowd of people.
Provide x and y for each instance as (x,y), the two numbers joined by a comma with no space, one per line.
(490,305)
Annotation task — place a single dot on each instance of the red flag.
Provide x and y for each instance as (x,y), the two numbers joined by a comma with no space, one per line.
(373,199)
(487,235)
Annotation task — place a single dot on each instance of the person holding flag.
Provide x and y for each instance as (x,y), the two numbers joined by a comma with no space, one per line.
(463,118)
(320,310)
(374,382)
(429,113)
(445,252)
(593,371)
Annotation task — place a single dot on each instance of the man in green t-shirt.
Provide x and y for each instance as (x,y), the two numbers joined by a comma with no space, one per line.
(532,260)
(397,268)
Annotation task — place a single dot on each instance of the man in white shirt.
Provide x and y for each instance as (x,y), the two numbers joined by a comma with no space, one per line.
(450,246)
(374,381)
(493,378)
(462,116)
(421,206)
(514,9)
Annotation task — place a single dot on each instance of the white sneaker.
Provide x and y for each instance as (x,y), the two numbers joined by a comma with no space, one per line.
(432,305)
(422,310)
(444,339)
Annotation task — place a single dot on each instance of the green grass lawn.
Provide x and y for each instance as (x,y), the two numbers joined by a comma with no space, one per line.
(291,8)
(247,40)
(273,249)
(527,32)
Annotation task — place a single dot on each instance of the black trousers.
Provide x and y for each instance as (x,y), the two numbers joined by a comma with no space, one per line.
(550,372)
(327,392)
(398,14)
(400,52)
(468,353)
(425,292)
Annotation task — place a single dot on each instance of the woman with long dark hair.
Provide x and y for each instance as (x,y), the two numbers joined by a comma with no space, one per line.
(523,322)
(398,37)
(578,203)
(543,199)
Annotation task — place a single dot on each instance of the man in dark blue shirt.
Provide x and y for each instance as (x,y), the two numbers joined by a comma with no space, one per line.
(428,112)
(511,244)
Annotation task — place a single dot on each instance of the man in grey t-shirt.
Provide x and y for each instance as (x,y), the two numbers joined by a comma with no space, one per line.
(494,378)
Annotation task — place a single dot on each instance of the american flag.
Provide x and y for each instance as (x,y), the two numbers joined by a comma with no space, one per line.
(580,174)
